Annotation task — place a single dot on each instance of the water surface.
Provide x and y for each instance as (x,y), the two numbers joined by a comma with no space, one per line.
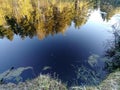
(66,45)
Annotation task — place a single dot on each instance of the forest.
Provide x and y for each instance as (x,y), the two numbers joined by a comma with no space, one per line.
(40,18)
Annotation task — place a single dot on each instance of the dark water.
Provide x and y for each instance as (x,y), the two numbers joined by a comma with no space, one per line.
(61,54)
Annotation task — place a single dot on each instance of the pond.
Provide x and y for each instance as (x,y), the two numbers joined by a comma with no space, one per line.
(66,43)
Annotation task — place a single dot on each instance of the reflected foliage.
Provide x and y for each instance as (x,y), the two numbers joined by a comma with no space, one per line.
(28,18)
(111,7)
(88,76)
(6,32)
(113,53)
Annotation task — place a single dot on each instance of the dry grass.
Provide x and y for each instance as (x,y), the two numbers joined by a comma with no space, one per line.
(43,82)
(112,82)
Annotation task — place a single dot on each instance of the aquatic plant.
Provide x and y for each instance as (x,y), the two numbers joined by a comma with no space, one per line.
(42,82)
(13,74)
(113,53)
(112,82)
(87,76)
(93,60)
(45,82)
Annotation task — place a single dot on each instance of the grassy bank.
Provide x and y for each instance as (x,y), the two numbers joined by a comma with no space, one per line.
(42,82)
(45,82)
(112,82)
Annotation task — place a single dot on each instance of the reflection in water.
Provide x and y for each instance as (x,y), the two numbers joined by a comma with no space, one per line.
(13,74)
(110,7)
(113,53)
(35,19)
(28,18)
(69,56)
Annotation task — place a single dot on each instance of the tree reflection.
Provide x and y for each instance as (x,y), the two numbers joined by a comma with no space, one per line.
(110,7)
(113,53)
(6,32)
(81,12)
(41,18)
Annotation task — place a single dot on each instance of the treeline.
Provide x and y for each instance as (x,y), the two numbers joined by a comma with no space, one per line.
(30,18)
(45,17)
(19,8)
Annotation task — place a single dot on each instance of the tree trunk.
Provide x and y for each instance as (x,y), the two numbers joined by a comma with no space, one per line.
(77,4)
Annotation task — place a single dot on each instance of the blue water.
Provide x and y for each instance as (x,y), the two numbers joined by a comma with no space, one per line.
(60,52)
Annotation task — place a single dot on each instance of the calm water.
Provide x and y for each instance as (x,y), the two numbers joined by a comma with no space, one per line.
(65,54)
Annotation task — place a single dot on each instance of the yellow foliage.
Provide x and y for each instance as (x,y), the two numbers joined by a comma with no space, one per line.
(25,7)
(41,17)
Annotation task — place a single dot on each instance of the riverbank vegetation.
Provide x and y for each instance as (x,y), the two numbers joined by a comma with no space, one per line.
(42,82)
(45,82)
